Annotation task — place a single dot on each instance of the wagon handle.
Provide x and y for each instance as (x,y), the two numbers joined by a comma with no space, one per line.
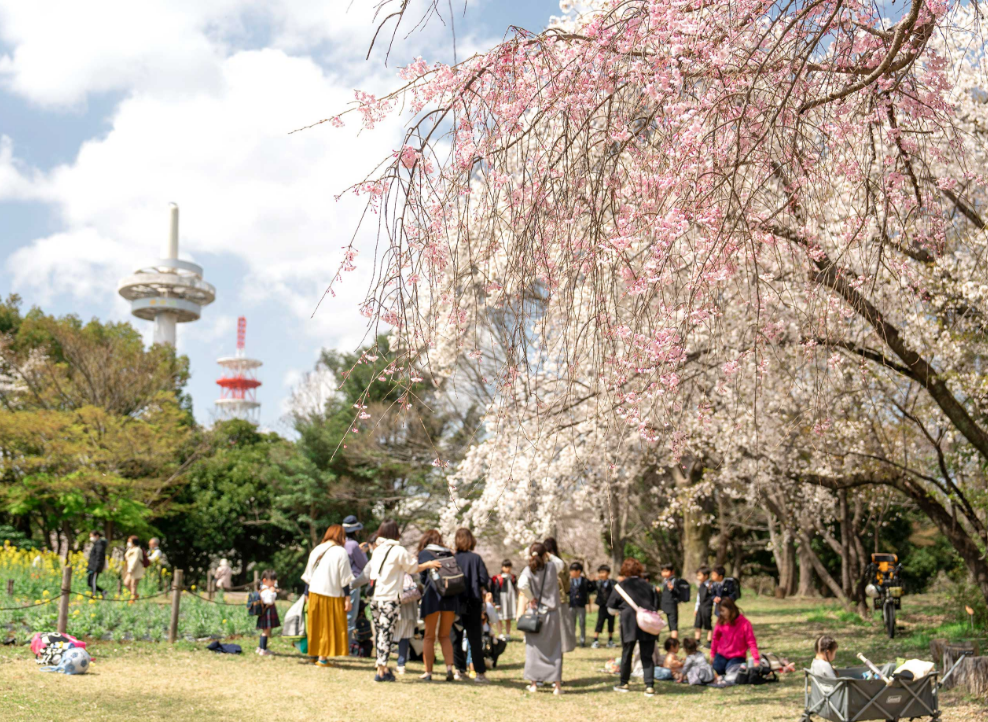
(959,660)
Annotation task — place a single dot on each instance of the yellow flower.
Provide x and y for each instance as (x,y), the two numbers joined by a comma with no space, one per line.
(92,601)
(224,621)
(79,597)
(37,601)
(193,587)
(45,593)
(92,615)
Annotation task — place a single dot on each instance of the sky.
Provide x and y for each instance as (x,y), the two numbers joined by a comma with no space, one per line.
(112,109)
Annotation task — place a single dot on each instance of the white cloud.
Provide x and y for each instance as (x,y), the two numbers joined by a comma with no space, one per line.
(245,187)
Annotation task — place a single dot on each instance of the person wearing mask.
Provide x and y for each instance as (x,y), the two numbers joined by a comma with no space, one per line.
(438,612)
(388,567)
(733,638)
(358,560)
(539,583)
(133,565)
(328,576)
(96,563)
(471,623)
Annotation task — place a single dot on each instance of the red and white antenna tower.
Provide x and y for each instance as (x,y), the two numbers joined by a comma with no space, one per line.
(238,385)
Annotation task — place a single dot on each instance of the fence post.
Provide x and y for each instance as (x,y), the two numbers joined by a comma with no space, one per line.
(63,602)
(257,583)
(176,601)
(10,587)
(210,588)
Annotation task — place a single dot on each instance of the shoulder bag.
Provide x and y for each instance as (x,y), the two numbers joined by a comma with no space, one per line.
(531,621)
(648,621)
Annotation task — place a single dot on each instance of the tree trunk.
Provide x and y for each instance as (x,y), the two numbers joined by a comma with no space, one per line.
(724,531)
(696,531)
(845,544)
(821,570)
(807,582)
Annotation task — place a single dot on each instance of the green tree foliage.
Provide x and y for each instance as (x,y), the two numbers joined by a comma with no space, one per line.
(227,505)
(386,466)
(93,428)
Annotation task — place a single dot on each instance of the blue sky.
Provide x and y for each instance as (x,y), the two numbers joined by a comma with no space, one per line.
(117,108)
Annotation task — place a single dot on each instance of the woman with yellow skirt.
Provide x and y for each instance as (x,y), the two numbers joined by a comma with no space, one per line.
(329,578)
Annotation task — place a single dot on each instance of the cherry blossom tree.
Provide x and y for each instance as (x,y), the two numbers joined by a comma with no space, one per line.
(673,230)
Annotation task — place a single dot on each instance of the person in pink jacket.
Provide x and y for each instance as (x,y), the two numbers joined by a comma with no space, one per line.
(733,637)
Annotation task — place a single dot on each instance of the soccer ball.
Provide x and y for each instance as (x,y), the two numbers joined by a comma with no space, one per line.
(74,661)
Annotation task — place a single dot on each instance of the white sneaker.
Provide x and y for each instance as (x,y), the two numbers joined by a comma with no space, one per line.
(502,638)
(400,670)
(595,645)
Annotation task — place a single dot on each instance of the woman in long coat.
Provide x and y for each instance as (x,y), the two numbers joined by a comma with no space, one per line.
(329,577)
(543,649)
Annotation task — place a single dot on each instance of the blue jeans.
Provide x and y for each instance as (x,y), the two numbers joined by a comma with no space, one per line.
(403,645)
(721,663)
(351,616)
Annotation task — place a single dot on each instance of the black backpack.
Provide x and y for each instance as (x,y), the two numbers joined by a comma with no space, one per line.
(448,579)
(682,590)
(760,673)
(731,587)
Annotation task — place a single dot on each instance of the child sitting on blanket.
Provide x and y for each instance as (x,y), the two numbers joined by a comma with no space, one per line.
(696,669)
(672,662)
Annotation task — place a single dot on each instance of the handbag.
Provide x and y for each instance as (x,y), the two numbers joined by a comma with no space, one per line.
(410,591)
(648,621)
(531,621)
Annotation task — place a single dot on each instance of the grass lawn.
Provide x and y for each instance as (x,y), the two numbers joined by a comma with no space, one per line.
(157,681)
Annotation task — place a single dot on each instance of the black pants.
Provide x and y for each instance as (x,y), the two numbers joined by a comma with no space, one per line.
(603,616)
(647,648)
(94,588)
(470,625)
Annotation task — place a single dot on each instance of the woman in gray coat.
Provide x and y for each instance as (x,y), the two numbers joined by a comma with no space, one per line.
(544,649)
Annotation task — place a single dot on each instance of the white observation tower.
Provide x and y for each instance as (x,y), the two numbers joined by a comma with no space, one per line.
(238,394)
(169,291)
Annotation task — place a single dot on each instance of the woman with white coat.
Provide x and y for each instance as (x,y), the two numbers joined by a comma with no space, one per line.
(328,577)
(388,567)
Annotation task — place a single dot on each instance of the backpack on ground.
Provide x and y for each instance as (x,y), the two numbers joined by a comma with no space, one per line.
(254,604)
(47,647)
(682,588)
(448,579)
(756,674)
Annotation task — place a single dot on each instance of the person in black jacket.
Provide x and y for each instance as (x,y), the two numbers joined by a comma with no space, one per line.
(470,624)
(645,596)
(96,563)
(704,616)
(579,596)
(670,598)
(603,586)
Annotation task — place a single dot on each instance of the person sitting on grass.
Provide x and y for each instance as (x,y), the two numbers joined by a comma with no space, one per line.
(823,663)
(268,618)
(733,638)
(696,669)
(671,661)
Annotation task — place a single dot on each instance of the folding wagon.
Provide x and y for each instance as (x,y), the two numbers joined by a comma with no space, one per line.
(851,698)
